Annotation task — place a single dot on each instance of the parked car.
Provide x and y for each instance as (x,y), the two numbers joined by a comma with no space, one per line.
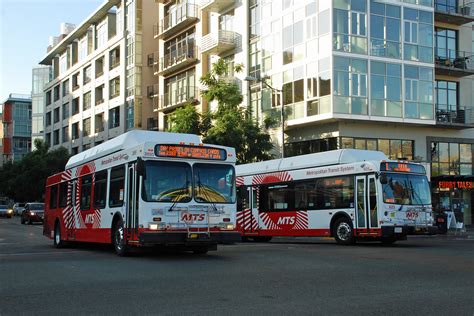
(33,212)
(18,208)
(5,211)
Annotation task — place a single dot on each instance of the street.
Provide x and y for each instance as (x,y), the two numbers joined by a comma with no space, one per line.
(423,275)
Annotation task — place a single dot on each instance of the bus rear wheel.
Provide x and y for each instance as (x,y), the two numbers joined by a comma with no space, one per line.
(118,239)
(343,232)
(57,240)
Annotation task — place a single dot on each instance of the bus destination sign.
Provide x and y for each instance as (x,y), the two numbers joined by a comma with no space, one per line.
(402,167)
(192,152)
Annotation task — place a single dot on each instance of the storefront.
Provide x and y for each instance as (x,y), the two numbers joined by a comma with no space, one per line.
(454,193)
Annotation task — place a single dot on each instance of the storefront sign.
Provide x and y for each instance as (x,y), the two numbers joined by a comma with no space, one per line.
(462,185)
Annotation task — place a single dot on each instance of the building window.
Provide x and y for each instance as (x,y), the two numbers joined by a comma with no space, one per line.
(101,35)
(83,48)
(48,118)
(99,67)
(350,86)
(114,87)
(87,75)
(446,99)
(350,26)
(56,137)
(75,81)
(56,115)
(446,46)
(386,89)
(451,159)
(65,134)
(75,131)
(65,87)
(114,57)
(392,148)
(99,95)
(75,105)
(310,146)
(419,93)
(99,122)
(87,101)
(48,97)
(86,127)
(418,36)
(65,109)
(114,117)
(385,30)
(56,93)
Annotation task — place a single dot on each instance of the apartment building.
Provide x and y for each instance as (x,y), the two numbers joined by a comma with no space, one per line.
(40,76)
(391,75)
(190,37)
(16,121)
(98,74)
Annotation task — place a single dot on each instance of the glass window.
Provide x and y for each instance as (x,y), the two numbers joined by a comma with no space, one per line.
(53,197)
(100,189)
(167,182)
(214,183)
(86,191)
(117,180)
(406,189)
(63,190)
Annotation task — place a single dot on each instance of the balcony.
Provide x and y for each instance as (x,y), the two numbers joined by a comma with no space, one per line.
(219,42)
(183,57)
(215,5)
(152,91)
(180,18)
(460,117)
(177,98)
(459,14)
(454,63)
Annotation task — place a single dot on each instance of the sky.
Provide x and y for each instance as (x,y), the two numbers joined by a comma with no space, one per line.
(25,27)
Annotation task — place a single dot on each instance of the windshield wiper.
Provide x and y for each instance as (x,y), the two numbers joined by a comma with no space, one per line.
(202,190)
(178,197)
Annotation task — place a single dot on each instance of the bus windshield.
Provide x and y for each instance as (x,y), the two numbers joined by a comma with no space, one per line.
(167,181)
(214,183)
(406,189)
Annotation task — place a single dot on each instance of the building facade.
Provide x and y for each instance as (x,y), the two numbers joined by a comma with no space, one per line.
(96,91)
(40,76)
(16,118)
(392,75)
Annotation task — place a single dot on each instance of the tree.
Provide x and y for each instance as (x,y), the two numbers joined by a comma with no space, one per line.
(25,180)
(230,125)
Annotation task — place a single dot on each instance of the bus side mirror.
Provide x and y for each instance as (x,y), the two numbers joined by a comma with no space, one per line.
(141,169)
(383,178)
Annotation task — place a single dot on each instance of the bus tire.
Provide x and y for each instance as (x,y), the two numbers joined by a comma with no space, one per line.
(118,238)
(57,240)
(343,231)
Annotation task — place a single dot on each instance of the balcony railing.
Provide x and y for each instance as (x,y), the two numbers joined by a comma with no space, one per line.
(179,97)
(216,5)
(182,57)
(152,91)
(178,19)
(460,116)
(453,62)
(451,12)
(218,42)
(156,104)
(156,30)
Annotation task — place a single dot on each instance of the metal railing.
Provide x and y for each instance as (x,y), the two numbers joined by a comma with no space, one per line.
(222,37)
(180,96)
(459,115)
(182,54)
(177,15)
(152,91)
(463,7)
(451,58)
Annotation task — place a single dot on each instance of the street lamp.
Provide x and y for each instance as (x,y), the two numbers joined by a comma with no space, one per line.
(263,82)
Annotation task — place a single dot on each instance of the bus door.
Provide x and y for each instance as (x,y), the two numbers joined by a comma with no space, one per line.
(362,218)
(253,219)
(132,205)
(366,204)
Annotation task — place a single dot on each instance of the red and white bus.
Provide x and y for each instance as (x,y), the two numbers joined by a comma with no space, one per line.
(347,194)
(145,188)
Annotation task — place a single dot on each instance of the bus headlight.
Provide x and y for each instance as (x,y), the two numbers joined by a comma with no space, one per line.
(229,226)
(155,226)
(10,211)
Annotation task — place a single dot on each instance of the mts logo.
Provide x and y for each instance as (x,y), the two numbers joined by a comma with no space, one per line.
(188,217)
(89,219)
(286,220)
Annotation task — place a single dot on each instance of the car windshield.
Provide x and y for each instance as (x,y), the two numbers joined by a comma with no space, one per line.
(214,183)
(406,189)
(36,206)
(167,181)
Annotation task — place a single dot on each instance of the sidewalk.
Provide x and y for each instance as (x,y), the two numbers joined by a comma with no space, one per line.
(467,232)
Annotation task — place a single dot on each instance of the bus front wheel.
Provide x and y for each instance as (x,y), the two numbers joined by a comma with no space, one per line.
(118,239)
(343,232)
(57,241)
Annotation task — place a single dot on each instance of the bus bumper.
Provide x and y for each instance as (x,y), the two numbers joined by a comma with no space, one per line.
(397,232)
(194,239)
(422,230)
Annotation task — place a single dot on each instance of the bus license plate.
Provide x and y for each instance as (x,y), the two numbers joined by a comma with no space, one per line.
(398,229)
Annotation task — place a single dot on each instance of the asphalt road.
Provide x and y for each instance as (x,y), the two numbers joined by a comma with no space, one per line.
(430,275)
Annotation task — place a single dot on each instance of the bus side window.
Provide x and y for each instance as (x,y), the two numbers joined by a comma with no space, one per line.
(86,192)
(100,189)
(254,197)
(53,197)
(63,194)
(242,198)
(116,187)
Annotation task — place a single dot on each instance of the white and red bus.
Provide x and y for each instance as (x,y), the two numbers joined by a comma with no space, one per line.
(145,188)
(347,194)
